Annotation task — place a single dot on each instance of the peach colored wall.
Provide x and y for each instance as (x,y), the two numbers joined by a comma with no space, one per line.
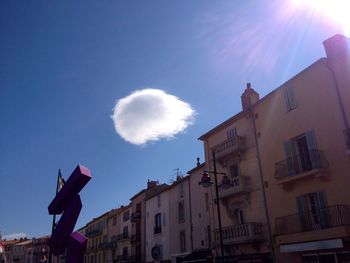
(161,238)
(200,214)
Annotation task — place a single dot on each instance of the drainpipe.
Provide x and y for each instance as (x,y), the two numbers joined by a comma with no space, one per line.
(261,181)
(191,223)
(341,106)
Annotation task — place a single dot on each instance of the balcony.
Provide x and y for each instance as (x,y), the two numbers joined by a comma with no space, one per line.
(157,229)
(234,186)
(230,147)
(123,236)
(236,234)
(112,244)
(93,233)
(103,245)
(298,167)
(123,258)
(323,218)
(136,216)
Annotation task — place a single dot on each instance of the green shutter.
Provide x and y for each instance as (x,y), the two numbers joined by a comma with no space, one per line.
(288,146)
(290,99)
(314,153)
(302,212)
(324,211)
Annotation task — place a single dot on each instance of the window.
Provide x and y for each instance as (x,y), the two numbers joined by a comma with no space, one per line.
(158,200)
(181,190)
(313,211)
(239,215)
(126,216)
(290,100)
(207,231)
(125,232)
(302,153)
(206,198)
(138,207)
(234,171)
(114,220)
(182,241)
(181,211)
(157,223)
(125,253)
(231,133)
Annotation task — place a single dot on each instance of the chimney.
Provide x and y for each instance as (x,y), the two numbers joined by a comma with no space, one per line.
(151,184)
(336,45)
(249,97)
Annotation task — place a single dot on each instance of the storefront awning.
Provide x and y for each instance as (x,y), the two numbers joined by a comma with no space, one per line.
(316,245)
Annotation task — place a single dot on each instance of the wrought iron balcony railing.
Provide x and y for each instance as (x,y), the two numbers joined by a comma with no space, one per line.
(244,233)
(229,146)
(328,217)
(136,216)
(157,229)
(93,233)
(123,236)
(298,164)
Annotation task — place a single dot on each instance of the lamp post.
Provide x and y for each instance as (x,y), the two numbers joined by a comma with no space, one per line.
(206,182)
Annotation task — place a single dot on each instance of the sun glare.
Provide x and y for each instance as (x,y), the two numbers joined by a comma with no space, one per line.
(336,10)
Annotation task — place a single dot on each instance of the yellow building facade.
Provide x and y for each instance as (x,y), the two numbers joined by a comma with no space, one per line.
(284,195)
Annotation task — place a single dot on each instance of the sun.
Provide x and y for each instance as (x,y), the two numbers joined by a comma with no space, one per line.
(336,10)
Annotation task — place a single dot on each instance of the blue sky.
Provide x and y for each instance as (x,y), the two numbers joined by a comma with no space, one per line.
(65,64)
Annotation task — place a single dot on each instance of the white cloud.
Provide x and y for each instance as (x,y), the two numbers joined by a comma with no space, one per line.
(149,115)
(14,236)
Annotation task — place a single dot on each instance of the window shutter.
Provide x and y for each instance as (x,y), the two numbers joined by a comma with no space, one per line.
(290,99)
(288,146)
(302,214)
(324,211)
(314,153)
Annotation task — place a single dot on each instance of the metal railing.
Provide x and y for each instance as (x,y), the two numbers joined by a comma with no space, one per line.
(297,164)
(322,218)
(229,145)
(240,233)
(157,229)
(135,216)
(123,236)
(93,233)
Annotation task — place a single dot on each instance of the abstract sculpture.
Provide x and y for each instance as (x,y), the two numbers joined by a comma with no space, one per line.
(67,201)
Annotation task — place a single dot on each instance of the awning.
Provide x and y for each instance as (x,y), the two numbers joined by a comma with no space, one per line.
(315,245)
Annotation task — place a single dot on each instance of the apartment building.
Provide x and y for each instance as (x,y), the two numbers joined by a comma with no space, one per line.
(22,251)
(138,218)
(303,130)
(200,212)
(157,225)
(285,159)
(123,234)
(244,226)
(181,241)
(96,231)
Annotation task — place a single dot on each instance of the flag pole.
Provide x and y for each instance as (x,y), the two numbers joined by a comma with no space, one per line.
(54,215)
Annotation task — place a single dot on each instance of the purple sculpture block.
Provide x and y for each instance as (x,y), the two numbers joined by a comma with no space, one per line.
(76,248)
(78,179)
(65,226)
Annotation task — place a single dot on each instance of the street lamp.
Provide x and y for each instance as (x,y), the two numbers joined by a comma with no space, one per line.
(206,182)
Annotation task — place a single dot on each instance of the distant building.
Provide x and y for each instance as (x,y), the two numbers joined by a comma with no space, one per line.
(96,231)
(200,212)
(157,224)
